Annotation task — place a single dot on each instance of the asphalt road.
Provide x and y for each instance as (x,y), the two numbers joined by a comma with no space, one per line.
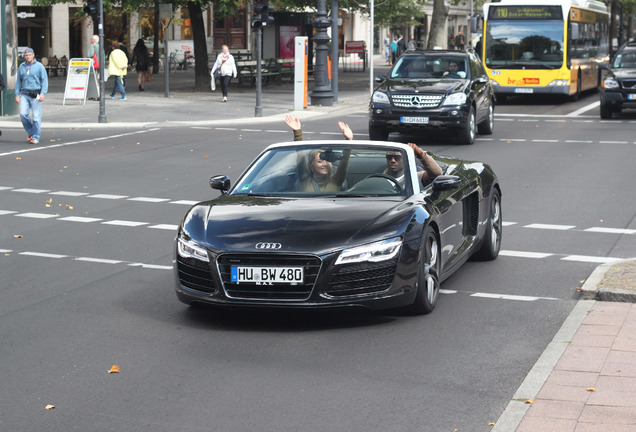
(86,235)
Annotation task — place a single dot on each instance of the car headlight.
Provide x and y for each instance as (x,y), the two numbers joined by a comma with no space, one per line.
(188,248)
(372,252)
(380,97)
(610,83)
(455,99)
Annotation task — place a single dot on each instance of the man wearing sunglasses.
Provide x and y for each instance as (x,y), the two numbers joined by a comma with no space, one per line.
(427,168)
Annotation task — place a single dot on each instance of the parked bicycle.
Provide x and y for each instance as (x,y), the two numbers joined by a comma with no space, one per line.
(180,60)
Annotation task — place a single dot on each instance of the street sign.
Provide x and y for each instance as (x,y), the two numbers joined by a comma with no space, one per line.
(81,80)
(354,47)
(25,15)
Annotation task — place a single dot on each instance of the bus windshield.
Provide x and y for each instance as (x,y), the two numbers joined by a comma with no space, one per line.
(524,44)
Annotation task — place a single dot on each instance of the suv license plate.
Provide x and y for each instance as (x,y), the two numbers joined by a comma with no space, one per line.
(414,120)
(278,275)
(524,90)
(631,96)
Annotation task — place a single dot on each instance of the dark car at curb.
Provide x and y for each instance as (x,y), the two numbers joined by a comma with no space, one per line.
(378,242)
(419,94)
(618,90)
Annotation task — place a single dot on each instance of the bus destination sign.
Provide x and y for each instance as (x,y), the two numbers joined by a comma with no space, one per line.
(525,13)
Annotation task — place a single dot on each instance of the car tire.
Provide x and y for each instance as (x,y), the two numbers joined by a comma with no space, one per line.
(378,133)
(606,112)
(428,275)
(491,243)
(487,126)
(467,133)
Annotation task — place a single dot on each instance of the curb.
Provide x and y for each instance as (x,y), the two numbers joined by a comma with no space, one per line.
(593,288)
(352,104)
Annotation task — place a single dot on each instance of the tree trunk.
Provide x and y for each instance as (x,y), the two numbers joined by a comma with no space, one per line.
(201,71)
(437,34)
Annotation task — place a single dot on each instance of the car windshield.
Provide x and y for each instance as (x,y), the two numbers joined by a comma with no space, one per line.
(625,60)
(520,44)
(326,170)
(430,66)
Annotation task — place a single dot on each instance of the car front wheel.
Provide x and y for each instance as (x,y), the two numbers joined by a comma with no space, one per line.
(606,112)
(378,133)
(428,275)
(467,133)
(492,237)
(487,126)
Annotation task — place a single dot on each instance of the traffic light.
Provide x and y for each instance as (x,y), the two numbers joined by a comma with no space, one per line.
(265,13)
(258,8)
(262,11)
(92,9)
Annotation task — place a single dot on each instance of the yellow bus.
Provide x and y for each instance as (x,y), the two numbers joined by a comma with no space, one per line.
(544,47)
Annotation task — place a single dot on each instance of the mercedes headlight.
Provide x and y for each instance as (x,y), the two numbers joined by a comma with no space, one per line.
(610,83)
(380,97)
(372,252)
(455,99)
(188,248)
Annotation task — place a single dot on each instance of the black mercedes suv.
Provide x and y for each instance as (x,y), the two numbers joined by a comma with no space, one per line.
(440,89)
(619,86)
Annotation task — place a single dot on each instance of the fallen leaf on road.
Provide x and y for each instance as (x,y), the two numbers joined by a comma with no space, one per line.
(70,207)
(17,236)
(591,389)
(530,401)
(18,158)
(578,289)
(491,424)
(49,407)
(114,369)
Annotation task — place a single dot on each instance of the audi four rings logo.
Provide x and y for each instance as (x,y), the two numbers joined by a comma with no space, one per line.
(271,246)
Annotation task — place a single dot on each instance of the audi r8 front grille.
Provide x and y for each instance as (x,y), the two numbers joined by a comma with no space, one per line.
(363,278)
(195,274)
(416,101)
(263,290)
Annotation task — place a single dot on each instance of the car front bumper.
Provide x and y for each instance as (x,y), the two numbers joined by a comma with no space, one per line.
(399,119)
(374,286)
(617,100)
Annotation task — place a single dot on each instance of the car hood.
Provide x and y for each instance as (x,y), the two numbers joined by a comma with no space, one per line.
(624,73)
(316,225)
(424,86)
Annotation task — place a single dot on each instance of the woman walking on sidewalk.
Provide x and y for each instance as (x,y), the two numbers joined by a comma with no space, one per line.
(141,55)
(227,67)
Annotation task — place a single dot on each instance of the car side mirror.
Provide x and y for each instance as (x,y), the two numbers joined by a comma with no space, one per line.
(480,80)
(220,182)
(380,79)
(446,182)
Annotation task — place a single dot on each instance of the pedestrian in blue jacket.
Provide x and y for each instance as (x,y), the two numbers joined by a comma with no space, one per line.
(31,86)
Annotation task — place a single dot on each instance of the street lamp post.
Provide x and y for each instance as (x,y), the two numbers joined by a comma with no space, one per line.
(322,93)
(101,118)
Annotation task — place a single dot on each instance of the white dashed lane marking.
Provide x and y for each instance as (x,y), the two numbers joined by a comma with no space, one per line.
(484,295)
(8,252)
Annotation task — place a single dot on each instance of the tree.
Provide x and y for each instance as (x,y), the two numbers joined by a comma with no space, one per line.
(437,33)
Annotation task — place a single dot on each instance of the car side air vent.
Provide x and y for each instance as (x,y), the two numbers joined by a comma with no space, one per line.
(471,214)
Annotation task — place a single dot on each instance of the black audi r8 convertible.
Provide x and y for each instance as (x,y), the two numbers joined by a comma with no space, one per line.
(286,235)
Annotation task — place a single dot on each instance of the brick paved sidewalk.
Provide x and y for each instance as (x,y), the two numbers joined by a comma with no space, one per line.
(593,385)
